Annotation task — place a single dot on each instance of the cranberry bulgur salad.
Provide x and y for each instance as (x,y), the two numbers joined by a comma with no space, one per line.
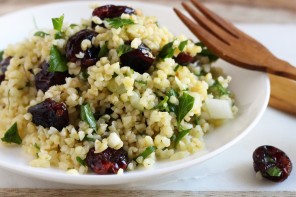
(112,94)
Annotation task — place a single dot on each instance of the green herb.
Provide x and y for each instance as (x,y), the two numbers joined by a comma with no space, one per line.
(41,34)
(114,75)
(73,25)
(122,49)
(87,116)
(36,146)
(274,171)
(89,139)
(196,120)
(173,138)
(8,99)
(182,45)
(269,159)
(81,161)
(206,52)
(167,51)
(103,51)
(172,92)
(163,105)
(141,82)
(218,90)
(59,35)
(172,107)
(12,135)
(147,152)
(57,62)
(84,74)
(119,22)
(1,55)
(58,23)
(180,135)
(177,67)
(185,105)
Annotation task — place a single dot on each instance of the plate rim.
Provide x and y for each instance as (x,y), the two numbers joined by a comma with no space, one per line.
(84,179)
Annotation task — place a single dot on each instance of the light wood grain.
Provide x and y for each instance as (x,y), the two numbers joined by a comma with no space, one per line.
(125,193)
(283,94)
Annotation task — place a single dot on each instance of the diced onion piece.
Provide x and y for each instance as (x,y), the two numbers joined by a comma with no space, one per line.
(219,109)
(116,88)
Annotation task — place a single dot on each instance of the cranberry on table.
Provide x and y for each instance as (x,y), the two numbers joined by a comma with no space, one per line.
(45,79)
(184,59)
(272,163)
(50,114)
(3,66)
(138,59)
(107,162)
(73,48)
(112,11)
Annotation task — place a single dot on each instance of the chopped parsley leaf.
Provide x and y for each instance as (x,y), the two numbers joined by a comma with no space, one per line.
(206,52)
(148,151)
(119,22)
(180,135)
(274,171)
(182,45)
(103,51)
(185,105)
(141,82)
(122,49)
(87,116)
(218,90)
(58,23)
(41,34)
(81,161)
(167,51)
(12,135)
(57,62)
(1,55)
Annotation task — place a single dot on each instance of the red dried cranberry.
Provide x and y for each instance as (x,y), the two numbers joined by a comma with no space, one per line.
(138,59)
(45,79)
(3,65)
(73,47)
(50,114)
(111,11)
(272,163)
(184,59)
(107,162)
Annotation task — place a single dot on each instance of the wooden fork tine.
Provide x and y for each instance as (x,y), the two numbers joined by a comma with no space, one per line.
(216,19)
(210,40)
(209,25)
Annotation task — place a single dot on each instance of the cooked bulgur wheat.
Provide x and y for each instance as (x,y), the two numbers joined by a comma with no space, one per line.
(135,122)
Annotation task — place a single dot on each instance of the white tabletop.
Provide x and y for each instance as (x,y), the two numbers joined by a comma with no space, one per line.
(232,170)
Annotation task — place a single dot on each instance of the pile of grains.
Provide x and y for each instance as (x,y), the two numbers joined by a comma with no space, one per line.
(111,94)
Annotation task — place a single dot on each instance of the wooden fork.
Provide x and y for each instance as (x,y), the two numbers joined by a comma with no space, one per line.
(231,44)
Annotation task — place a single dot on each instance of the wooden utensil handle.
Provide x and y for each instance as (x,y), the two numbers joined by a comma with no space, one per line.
(281,68)
(283,94)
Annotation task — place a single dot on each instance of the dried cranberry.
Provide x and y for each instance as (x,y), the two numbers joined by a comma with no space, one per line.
(111,11)
(45,79)
(184,59)
(273,163)
(73,48)
(107,162)
(3,65)
(50,114)
(138,59)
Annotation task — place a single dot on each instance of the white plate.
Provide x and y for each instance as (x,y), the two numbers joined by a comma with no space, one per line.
(251,90)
